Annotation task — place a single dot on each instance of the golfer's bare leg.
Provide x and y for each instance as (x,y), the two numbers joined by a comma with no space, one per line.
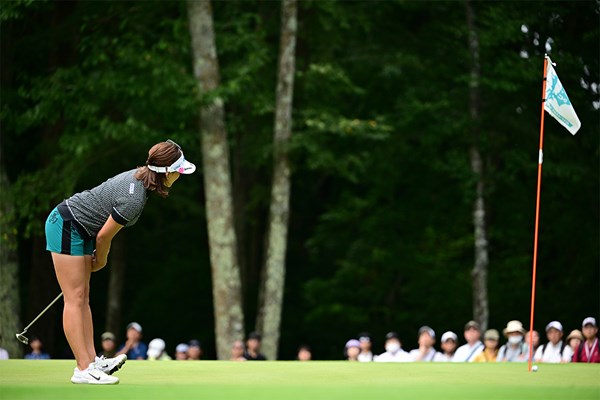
(73,275)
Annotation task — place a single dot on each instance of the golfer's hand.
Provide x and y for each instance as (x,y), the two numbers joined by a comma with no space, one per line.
(96,263)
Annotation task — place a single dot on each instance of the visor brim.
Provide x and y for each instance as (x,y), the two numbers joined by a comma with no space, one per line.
(186,168)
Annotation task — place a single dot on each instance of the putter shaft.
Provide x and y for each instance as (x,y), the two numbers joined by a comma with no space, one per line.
(21,336)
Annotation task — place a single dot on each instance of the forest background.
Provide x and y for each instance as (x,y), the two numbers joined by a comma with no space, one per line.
(390,101)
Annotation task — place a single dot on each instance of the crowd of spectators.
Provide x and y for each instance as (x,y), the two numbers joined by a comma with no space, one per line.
(577,346)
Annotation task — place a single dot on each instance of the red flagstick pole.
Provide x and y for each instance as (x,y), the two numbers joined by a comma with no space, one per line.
(537,215)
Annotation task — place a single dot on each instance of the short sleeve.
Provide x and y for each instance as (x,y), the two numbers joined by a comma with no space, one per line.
(126,209)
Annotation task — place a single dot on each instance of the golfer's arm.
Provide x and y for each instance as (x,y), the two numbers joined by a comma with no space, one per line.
(104,238)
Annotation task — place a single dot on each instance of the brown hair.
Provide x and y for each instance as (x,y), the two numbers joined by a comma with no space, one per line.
(161,154)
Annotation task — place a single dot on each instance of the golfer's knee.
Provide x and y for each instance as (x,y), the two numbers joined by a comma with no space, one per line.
(78,297)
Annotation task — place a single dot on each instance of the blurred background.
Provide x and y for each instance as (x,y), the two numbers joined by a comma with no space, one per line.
(391,101)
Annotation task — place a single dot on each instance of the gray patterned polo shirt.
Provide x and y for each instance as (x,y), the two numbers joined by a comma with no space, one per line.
(123,197)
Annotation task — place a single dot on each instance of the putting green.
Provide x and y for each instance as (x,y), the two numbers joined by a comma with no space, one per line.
(45,380)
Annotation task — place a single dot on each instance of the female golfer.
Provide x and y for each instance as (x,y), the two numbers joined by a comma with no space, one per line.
(99,214)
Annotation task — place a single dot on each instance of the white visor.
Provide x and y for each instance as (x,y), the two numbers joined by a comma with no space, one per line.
(181,165)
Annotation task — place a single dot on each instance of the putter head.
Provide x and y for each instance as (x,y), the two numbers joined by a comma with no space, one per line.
(22,338)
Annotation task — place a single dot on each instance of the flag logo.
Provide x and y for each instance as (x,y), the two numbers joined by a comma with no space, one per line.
(557,102)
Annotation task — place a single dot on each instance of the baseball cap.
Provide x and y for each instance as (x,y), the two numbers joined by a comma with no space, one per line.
(182,348)
(589,321)
(352,343)
(427,329)
(155,347)
(135,326)
(556,325)
(194,343)
(491,334)
(472,324)
(108,336)
(180,165)
(392,335)
(449,336)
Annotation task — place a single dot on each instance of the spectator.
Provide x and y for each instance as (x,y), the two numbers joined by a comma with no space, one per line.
(515,349)
(156,350)
(194,352)
(365,347)
(449,344)
(3,352)
(555,351)
(352,350)
(304,353)
(491,339)
(588,350)
(252,352)
(237,351)
(133,346)
(426,351)
(181,351)
(37,350)
(536,340)
(393,350)
(574,339)
(109,347)
(467,352)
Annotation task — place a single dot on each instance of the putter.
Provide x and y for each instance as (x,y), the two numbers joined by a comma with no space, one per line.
(21,336)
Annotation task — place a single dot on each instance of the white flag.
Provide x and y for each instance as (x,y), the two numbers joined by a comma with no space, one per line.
(557,102)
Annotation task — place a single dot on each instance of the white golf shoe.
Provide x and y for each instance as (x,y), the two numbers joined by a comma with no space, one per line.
(110,365)
(93,376)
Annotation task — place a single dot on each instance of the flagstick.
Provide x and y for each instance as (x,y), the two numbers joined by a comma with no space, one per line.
(537,214)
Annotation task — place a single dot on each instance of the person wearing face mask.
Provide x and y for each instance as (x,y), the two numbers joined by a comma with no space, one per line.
(515,350)
(393,350)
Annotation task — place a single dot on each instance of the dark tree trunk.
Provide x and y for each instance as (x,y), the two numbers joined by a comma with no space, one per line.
(272,288)
(480,267)
(229,318)
(10,305)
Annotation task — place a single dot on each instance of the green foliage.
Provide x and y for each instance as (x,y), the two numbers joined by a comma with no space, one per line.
(14,9)
(381,236)
(128,88)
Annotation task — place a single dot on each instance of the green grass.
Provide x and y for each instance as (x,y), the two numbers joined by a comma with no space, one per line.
(45,380)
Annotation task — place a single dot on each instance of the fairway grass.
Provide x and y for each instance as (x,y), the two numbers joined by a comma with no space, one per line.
(290,380)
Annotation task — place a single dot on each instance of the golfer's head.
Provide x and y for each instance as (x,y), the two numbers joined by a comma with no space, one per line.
(163,154)
(167,157)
